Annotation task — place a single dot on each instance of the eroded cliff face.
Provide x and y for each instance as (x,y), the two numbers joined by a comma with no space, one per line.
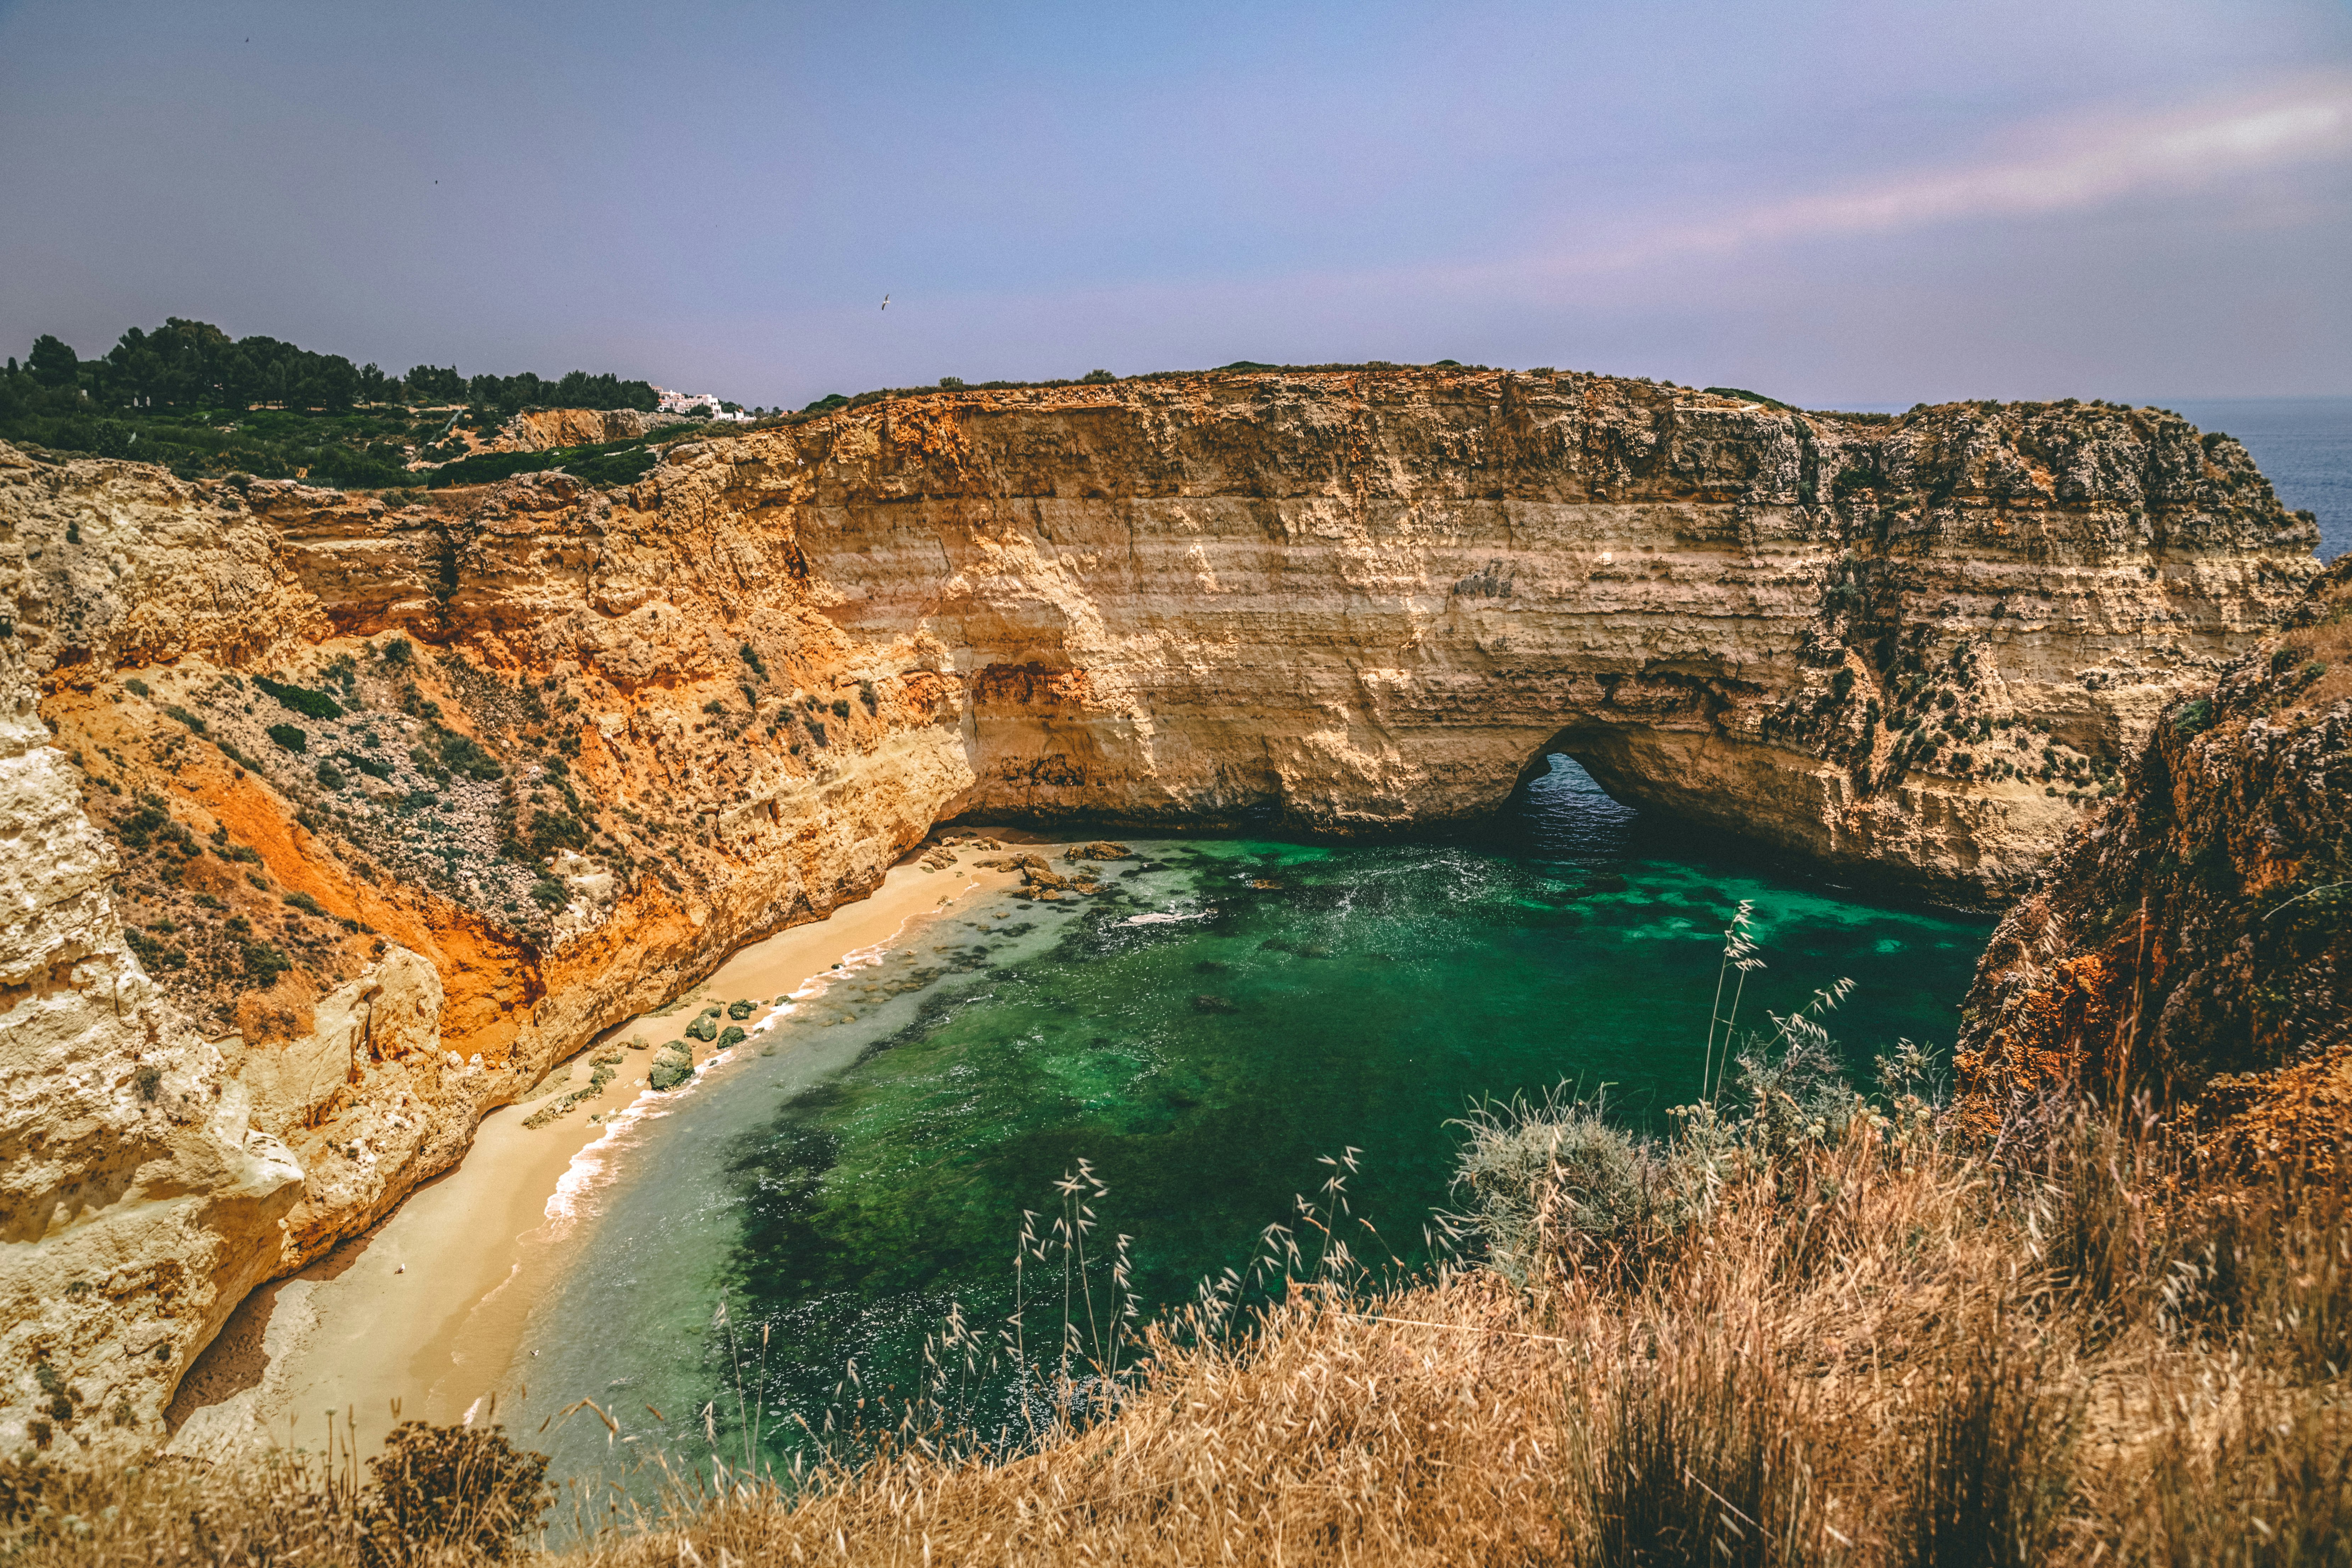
(406,803)
(544,429)
(2190,944)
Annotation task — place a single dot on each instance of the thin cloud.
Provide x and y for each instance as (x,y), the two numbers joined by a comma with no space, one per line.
(2085,165)
(2052,167)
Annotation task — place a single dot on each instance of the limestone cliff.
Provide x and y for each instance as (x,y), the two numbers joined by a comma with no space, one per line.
(543,429)
(406,803)
(2190,942)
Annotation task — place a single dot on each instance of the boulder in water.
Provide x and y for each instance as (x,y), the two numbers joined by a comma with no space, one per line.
(1214,1005)
(671,1067)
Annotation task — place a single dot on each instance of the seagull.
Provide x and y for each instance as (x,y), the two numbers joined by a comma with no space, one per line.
(886,302)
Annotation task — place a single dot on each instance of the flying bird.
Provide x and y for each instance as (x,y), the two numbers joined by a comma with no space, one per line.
(886,302)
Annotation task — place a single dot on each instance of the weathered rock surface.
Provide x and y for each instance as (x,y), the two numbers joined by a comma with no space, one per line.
(2193,941)
(530,758)
(542,429)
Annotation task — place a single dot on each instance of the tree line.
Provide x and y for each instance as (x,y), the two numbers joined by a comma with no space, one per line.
(185,365)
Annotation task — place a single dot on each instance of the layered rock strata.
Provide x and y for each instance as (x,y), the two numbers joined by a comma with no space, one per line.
(2193,943)
(544,429)
(404,803)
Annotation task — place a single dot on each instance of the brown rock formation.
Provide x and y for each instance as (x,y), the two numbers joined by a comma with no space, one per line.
(543,429)
(2190,940)
(407,803)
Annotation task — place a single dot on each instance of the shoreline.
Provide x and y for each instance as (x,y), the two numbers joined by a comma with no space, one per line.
(422,1317)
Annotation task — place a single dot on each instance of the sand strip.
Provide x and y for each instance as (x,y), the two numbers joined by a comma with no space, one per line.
(422,1317)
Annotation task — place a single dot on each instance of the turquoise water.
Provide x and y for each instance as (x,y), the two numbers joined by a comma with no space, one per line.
(843,1192)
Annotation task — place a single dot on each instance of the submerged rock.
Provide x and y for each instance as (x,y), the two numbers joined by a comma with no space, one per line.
(1214,1005)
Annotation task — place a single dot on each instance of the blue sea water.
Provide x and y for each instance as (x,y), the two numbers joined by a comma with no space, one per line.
(2303,445)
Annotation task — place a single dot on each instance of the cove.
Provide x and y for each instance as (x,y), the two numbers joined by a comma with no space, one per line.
(1226,1014)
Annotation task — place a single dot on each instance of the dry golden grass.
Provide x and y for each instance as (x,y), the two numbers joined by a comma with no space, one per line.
(1885,1351)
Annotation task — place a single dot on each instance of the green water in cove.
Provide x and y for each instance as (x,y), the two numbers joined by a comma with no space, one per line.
(844,1191)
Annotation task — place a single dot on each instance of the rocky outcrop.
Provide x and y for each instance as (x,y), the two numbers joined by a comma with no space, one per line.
(543,429)
(424,796)
(138,1200)
(2191,941)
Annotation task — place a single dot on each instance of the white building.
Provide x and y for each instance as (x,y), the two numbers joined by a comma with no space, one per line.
(705,403)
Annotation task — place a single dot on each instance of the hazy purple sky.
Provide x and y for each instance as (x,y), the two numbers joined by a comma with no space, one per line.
(1833,203)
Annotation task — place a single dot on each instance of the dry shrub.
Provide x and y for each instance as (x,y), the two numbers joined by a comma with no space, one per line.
(1702,1460)
(1885,1348)
(438,1495)
(458,1486)
(1990,1488)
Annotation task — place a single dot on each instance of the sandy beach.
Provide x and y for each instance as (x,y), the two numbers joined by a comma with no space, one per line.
(422,1317)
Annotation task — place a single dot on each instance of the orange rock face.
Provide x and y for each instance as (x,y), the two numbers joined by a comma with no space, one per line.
(2189,943)
(402,803)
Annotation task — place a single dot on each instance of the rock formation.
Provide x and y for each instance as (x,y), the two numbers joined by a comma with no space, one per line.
(2189,943)
(543,429)
(402,804)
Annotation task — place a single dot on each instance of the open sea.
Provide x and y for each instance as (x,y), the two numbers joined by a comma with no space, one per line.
(2304,444)
(1201,1036)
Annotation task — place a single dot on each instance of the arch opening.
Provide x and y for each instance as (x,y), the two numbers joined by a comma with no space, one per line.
(1560,812)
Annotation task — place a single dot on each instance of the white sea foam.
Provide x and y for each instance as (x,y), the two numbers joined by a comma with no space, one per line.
(595,1166)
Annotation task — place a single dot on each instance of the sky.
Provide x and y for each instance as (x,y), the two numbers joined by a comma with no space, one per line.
(1837,204)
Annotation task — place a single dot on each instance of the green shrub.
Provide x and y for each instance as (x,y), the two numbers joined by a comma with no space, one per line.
(138,828)
(610,463)
(136,687)
(184,717)
(264,963)
(289,738)
(551,894)
(462,754)
(331,777)
(306,903)
(1553,1177)
(2194,717)
(301,699)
